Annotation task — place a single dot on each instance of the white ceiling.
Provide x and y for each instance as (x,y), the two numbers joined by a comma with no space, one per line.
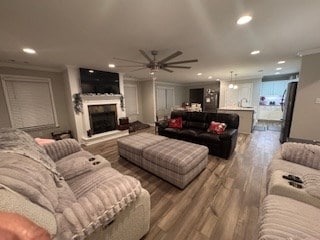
(91,33)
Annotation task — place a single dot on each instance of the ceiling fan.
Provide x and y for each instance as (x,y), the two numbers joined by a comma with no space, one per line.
(154,65)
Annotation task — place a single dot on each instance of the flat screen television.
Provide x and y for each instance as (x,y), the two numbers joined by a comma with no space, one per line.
(99,82)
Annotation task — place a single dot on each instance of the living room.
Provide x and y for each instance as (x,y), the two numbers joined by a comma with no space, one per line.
(162,53)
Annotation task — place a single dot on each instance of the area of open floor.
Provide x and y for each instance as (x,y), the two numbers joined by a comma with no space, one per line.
(221,203)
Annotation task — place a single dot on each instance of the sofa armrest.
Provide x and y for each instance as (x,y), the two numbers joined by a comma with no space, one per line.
(62,148)
(301,153)
(228,134)
(163,124)
(73,167)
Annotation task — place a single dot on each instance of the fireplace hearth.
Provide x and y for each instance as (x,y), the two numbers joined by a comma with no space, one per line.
(103,118)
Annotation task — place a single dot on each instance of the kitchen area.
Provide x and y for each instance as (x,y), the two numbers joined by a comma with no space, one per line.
(259,103)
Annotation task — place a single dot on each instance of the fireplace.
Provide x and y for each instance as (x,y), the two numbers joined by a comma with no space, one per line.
(103,118)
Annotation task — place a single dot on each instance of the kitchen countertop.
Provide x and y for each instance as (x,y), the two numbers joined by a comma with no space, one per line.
(237,108)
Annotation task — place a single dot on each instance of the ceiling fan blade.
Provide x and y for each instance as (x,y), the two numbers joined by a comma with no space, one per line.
(126,60)
(168,70)
(138,69)
(186,61)
(130,66)
(145,55)
(176,54)
(177,67)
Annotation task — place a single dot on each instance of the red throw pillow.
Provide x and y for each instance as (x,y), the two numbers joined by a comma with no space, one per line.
(175,122)
(217,127)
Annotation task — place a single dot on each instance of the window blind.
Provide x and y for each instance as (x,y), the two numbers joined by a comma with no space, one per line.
(30,101)
(131,99)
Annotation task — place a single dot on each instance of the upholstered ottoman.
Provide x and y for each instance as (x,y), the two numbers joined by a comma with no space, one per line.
(131,147)
(285,218)
(309,193)
(177,162)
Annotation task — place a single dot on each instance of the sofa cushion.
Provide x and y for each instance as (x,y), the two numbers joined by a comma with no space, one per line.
(208,137)
(190,133)
(62,148)
(197,120)
(285,218)
(301,153)
(293,168)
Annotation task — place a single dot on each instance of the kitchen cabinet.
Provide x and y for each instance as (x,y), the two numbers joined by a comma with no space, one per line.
(273,88)
(271,113)
(246,117)
(234,96)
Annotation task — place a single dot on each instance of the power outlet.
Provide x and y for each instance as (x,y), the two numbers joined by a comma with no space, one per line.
(317,100)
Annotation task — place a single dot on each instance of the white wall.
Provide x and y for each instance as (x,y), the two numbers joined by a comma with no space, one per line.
(306,115)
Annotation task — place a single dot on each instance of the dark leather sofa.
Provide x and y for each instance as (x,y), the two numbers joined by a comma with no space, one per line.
(194,129)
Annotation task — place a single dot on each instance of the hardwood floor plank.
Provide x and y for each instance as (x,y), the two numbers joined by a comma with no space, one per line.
(221,203)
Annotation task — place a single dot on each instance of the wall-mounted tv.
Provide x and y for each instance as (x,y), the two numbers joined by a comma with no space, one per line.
(99,82)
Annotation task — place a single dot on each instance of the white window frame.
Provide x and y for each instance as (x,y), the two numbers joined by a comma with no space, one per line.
(137,100)
(166,97)
(18,78)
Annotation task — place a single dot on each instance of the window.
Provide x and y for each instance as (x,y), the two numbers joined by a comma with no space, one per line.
(131,99)
(29,101)
(165,101)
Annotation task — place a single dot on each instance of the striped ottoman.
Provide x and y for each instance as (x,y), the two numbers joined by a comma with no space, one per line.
(131,147)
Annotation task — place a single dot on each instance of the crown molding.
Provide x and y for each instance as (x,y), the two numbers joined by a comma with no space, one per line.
(30,67)
(308,52)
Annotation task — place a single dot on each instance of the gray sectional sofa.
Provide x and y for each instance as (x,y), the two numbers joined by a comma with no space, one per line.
(68,191)
(291,209)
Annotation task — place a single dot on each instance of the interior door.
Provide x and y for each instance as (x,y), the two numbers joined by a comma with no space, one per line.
(196,95)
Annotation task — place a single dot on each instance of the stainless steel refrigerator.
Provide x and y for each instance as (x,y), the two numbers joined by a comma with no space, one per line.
(287,106)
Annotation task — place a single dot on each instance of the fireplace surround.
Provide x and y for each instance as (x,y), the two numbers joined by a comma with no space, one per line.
(103,118)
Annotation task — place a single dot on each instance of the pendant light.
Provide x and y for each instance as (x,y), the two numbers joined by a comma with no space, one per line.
(235,86)
(231,85)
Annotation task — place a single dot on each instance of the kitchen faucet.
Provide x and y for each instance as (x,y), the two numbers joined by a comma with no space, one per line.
(240,102)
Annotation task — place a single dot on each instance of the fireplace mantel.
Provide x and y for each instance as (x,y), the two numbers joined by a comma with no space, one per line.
(89,100)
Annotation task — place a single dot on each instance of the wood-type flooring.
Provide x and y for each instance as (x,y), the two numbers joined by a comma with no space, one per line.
(221,203)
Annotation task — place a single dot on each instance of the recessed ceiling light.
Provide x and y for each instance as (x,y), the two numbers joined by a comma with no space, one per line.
(199,74)
(151,73)
(279,68)
(29,50)
(91,71)
(218,79)
(277,73)
(210,77)
(111,65)
(255,52)
(244,19)
(281,62)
